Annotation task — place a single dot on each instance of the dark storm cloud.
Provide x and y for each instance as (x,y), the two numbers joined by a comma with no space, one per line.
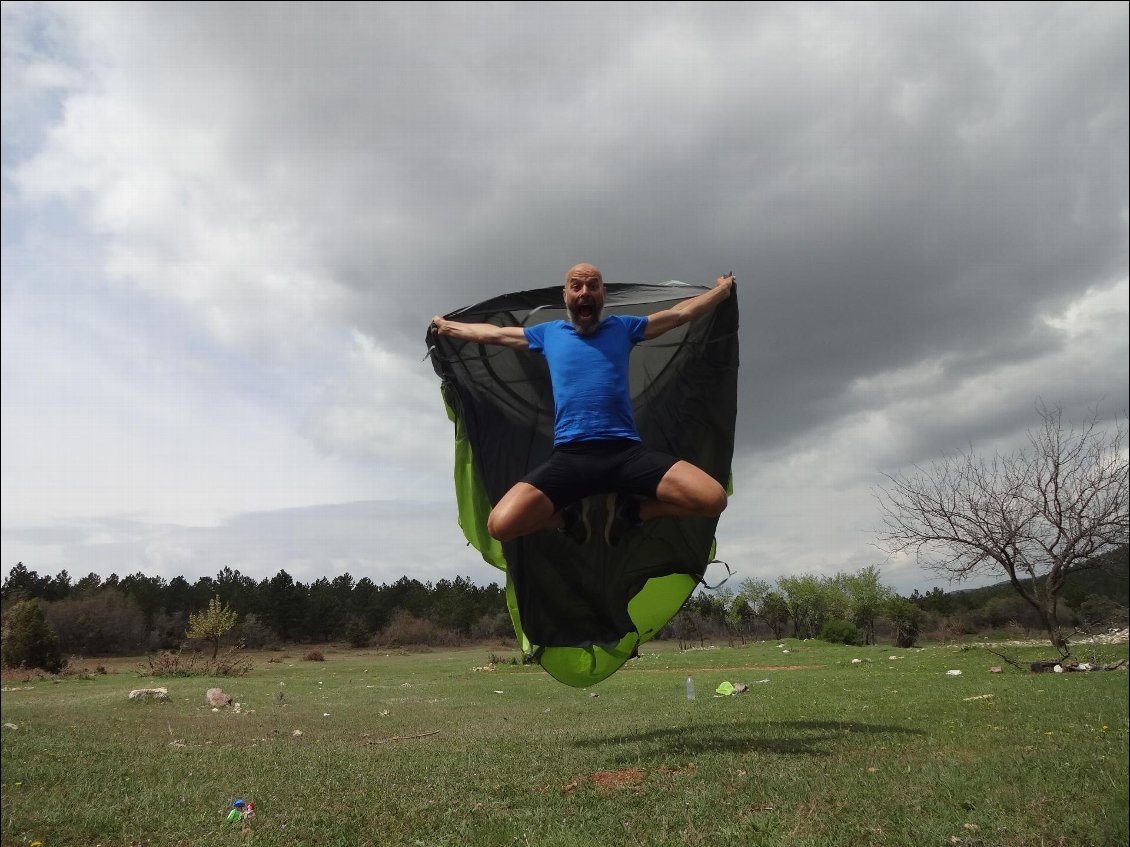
(891,187)
(892,184)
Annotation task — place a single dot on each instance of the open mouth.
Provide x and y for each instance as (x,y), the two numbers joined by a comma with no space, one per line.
(586,311)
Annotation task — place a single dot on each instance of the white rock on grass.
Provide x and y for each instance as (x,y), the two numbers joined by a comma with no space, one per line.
(149,694)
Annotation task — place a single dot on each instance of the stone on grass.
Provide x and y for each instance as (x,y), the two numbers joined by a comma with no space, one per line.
(216,697)
(149,694)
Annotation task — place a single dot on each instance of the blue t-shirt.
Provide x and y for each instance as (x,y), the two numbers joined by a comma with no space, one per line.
(590,377)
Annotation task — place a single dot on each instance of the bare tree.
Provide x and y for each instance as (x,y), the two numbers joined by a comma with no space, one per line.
(1038,514)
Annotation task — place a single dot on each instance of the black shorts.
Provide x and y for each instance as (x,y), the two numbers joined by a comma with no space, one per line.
(584,468)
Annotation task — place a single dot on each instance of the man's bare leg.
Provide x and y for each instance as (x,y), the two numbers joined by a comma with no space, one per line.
(522,510)
(685,491)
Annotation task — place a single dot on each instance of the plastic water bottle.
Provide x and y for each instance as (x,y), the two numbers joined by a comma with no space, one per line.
(690,688)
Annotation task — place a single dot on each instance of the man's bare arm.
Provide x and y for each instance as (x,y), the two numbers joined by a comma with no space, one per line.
(503,336)
(661,322)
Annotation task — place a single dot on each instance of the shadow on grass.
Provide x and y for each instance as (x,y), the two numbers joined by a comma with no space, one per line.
(785,738)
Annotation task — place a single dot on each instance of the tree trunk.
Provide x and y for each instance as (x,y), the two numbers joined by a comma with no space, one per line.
(1051,624)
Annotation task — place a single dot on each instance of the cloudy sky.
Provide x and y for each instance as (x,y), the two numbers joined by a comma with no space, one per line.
(226,227)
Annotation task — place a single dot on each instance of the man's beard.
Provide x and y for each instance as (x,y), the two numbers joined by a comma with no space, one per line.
(585,326)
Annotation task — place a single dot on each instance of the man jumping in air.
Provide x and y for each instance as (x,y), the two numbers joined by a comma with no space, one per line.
(596,448)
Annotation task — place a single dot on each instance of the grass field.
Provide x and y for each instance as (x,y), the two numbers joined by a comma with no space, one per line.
(421,749)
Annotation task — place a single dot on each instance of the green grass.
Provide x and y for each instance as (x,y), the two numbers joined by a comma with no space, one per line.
(420,749)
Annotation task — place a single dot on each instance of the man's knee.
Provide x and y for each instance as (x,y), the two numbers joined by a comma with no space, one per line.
(523,510)
(693,490)
(716,502)
(499,528)
(706,497)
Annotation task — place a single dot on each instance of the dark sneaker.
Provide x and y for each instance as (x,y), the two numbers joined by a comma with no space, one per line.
(623,516)
(576,517)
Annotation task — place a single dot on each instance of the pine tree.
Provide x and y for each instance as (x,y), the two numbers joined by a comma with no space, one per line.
(29,641)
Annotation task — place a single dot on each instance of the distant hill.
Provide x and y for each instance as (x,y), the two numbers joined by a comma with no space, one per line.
(1110,577)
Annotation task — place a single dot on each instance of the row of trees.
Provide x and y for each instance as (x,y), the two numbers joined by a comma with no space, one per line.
(857,608)
(140,613)
(844,607)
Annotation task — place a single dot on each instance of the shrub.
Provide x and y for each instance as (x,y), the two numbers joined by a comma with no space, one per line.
(253,634)
(105,623)
(841,632)
(406,629)
(492,625)
(29,641)
(172,663)
(194,663)
(1097,611)
(356,633)
(314,656)
(906,618)
(231,663)
(167,631)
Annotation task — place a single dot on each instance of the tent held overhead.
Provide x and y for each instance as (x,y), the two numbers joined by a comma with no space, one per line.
(582,611)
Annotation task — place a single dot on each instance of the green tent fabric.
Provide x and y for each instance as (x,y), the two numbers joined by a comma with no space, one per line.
(582,611)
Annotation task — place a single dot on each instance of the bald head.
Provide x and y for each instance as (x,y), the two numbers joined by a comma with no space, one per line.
(583,272)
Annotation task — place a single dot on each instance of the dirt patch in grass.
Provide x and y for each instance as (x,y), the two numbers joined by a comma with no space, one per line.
(608,780)
(630,778)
